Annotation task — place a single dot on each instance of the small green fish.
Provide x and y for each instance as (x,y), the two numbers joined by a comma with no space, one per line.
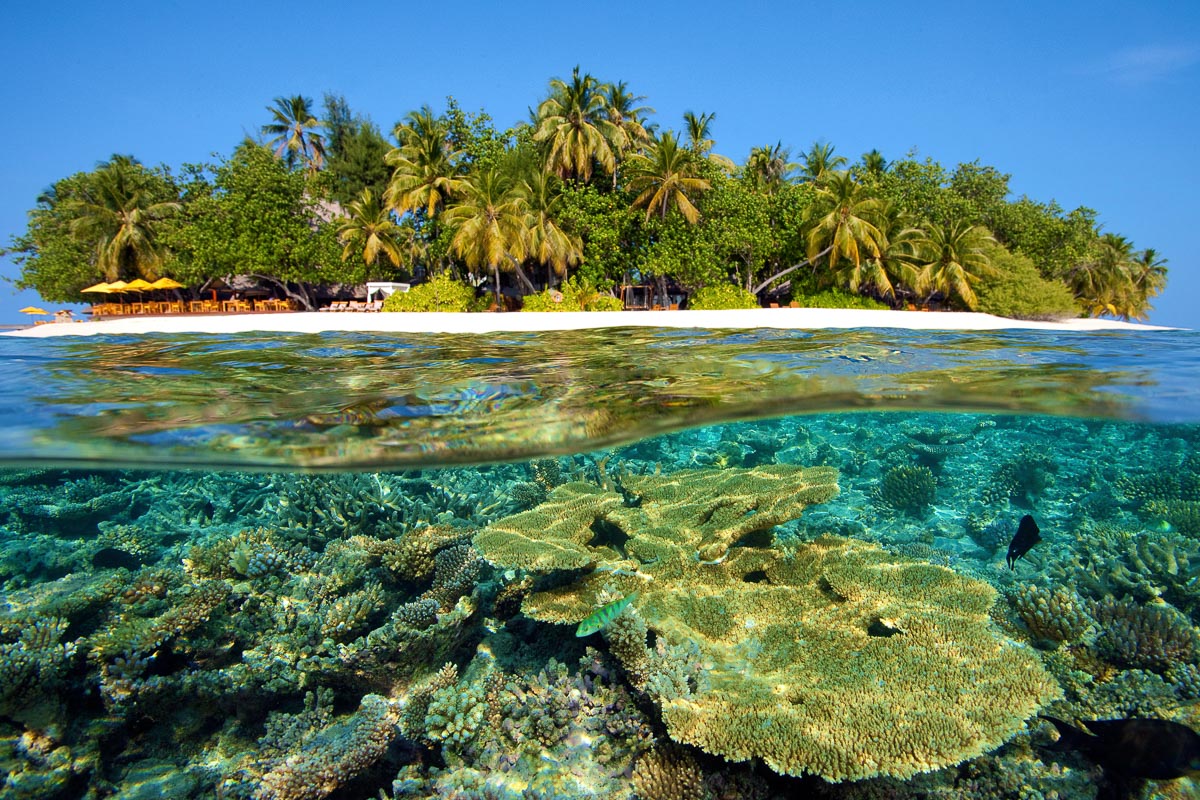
(603,615)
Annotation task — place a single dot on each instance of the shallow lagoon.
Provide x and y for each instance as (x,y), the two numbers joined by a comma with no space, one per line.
(822,600)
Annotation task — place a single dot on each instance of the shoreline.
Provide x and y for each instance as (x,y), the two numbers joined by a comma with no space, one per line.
(516,322)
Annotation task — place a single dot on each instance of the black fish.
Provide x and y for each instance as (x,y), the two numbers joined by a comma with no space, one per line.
(1027,536)
(1133,750)
(114,558)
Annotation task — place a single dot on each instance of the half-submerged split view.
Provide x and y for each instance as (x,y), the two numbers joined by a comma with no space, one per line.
(629,563)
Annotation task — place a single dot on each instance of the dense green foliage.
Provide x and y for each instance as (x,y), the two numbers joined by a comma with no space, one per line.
(590,187)
(577,294)
(1019,291)
(722,296)
(440,293)
(837,298)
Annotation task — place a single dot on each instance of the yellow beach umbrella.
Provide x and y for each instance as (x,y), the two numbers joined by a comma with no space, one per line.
(34,310)
(139,285)
(166,283)
(117,286)
(101,288)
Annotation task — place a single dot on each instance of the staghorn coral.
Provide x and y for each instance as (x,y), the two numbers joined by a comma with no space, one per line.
(668,774)
(1053,615)
(556,733)
(793,672)
(908,489)
(455,715)
(33,659)
(333,755)
(1022,479)
(1151,637)
(456,571)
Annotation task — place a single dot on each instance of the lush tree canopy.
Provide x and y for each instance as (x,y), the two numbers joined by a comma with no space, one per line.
(590,188)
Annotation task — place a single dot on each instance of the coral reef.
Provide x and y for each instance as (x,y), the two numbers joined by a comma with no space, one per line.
(331,756)
(201,634)
(1149,637)
(668,774)
(908,489)
(1053,615)
(558,732)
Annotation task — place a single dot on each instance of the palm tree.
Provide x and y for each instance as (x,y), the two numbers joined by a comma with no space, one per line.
(628,130)
(370,231)
(820,161)
(117,211)
(699,129)
(956,256)
(845,216)
(768,167)
(873,164)
(665,176)
(427,173)
(293,128)
(896,264)
(573,123)
(491,221)
(549,244)
(1149,273)
(1101,282)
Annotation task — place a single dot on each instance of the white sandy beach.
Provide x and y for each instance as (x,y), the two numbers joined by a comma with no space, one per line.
(786,318)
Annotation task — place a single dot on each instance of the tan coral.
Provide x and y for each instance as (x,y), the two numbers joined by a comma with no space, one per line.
(553,536)
(668,774)
(835,658)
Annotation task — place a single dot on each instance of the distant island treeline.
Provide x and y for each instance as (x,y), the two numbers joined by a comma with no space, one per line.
(589,195)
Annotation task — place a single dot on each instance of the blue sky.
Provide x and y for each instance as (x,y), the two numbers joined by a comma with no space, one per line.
(1086,103)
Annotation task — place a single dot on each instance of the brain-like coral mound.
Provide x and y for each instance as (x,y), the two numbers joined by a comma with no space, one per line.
(834,658)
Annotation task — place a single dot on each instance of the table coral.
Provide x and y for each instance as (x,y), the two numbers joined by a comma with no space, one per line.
(794,674)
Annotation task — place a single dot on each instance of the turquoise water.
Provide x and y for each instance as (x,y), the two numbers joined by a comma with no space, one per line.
(339,565)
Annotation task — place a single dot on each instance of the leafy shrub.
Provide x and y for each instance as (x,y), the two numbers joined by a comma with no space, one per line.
(836,298)
(440,293)
(576,295)
(1018,291)
(722,296)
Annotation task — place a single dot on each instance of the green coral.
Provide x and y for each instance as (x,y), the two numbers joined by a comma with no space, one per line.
(909,489)
(455,715)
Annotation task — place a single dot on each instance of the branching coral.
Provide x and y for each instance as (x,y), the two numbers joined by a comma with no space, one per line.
(334,755)
(1023,479)
(907,488)
(668,774)
(1149,637)
(1056,615)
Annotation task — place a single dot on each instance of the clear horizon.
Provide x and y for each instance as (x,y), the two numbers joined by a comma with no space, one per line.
(1083,104)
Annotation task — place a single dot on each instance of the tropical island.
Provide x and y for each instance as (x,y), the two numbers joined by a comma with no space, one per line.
(590,204)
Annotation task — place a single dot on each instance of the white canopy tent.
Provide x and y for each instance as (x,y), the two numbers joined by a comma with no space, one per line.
(385,288)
